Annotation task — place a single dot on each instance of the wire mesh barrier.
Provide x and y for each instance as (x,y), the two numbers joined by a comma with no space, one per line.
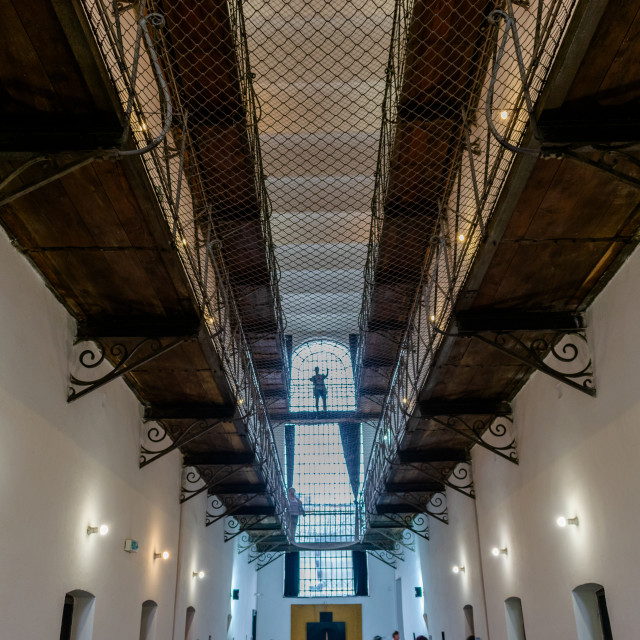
(461,86)
(175,65)
(326,573)
(335,162)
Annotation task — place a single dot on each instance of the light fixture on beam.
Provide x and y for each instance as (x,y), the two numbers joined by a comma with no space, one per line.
(103,529)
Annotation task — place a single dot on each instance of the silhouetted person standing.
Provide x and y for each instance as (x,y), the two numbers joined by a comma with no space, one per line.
(320,388)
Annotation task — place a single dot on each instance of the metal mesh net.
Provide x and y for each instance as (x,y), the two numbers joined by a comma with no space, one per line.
(334,163)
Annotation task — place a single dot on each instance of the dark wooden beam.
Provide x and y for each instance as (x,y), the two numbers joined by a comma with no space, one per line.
(293,417)
(269,365)
(376,324)
(378,363)
(217,458)
(574,123)
(137,327)
(189,411)
(474,321)
(432,455)
(56,132)
(414,487)
(239,487)
(256,510)
(381,509)
(372,391)
(465,406)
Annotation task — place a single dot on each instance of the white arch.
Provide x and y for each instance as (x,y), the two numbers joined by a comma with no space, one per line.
(324,354)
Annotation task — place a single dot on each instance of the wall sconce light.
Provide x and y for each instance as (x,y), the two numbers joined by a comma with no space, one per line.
(235,594)
(418,591)
(164,555)
(457,569)
(198,574)
(563,522)
(103,529)
(504,114)
(497,551)
(461,237)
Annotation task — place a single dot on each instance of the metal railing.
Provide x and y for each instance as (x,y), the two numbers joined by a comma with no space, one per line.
(522,42)
(135,47)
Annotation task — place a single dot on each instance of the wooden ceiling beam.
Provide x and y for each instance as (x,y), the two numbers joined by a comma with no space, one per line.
(239,487)
(409,456)
(465,406)
(137,327)
(219,458)
(475,321)
(414,487)
(189,411)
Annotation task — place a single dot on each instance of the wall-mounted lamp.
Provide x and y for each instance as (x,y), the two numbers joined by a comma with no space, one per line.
(457,569)
(461,237)
(103,529)
(164,555)
(418,591)
(497,551)
(563,522)
(198,574)
(504,115)
(235,594)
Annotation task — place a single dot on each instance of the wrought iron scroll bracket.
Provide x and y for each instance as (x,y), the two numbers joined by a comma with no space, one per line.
(572,360)
(157,433)
(418,524)
(198,480)
(385,557)
(126,359)
(460,479)
(223,506)
(264,558)
(237,525)
(481,431)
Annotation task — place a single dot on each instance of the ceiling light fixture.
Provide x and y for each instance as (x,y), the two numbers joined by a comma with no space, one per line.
(563,522)
(103,529)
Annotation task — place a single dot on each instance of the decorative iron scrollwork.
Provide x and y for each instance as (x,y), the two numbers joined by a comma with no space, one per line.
(197,480)
(418,524)
(126,359)
(157,433)
(264,558)
(573,364)
(460,479)
(385,556)
(236,525)
(219,507)
(491,433)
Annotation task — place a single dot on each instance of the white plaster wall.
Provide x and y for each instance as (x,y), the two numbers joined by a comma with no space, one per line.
(445,594)
(578,456)
(65,466)
(274,611)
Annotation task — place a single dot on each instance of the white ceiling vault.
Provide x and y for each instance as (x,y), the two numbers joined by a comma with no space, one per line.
(319,77)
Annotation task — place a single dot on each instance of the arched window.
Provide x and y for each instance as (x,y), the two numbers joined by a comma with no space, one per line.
(147,620)
(188,627)
(329,356)
(592,615)
(324,464)
(469,627)
(515,619)
(77,615)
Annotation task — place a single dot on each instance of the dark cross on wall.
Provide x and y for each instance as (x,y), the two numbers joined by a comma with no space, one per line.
(326,629)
